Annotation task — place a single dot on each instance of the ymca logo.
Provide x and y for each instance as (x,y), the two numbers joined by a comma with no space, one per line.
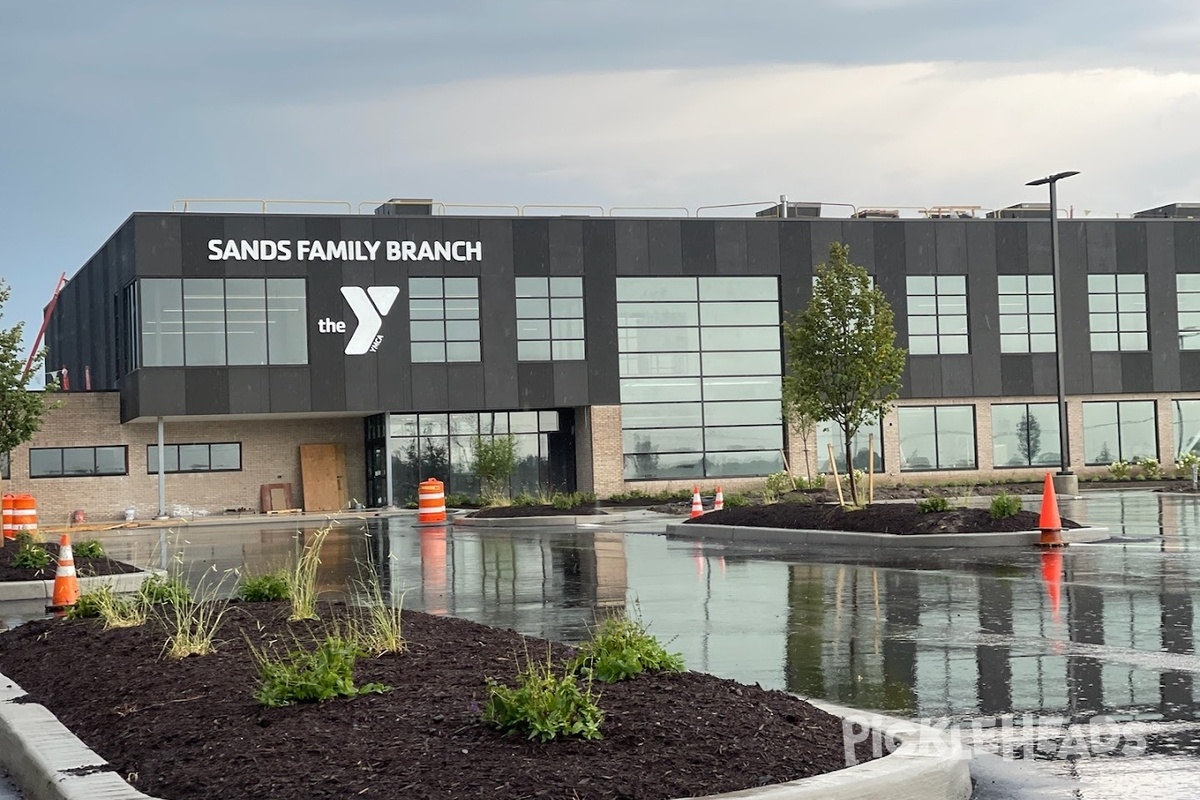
(370,305)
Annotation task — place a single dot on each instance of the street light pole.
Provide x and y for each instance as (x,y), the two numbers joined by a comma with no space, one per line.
(1065,444)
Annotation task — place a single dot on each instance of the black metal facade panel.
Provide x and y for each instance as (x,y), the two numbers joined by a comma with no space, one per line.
(1189,371)
(249,390)
(498,320)
(1016,376)
(85,329)
(632,241)
(206,390)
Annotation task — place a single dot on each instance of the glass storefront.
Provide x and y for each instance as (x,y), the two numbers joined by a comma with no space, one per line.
(1025,435)
(421,446)
(1123,429)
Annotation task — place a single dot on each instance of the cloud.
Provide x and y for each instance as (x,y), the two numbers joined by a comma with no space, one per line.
(909,134)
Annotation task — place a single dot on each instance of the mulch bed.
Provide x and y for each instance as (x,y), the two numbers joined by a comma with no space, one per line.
(899,518)
(84,567)
(191,728)
(493,512)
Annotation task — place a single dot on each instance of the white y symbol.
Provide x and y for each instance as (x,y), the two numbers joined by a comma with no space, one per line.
(370,306)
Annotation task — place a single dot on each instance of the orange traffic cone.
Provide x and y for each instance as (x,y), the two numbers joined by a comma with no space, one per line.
(66,583)
(1050,523)
(1052,568)
(719,501)
(697,504)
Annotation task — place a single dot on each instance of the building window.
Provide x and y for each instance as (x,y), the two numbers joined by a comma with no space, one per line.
(199,322)
(699,362)
(1187,289)
(209,457)
(829,434)
(937,314)
(1117,318)
(550,319)
(1124,430)
(937,437)
(444,319)
(1185,423)
(1025,435)
(68,462)
(441,446)
(1026,313)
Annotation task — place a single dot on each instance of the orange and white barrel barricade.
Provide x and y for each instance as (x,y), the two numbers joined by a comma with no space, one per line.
(431,501)
(25,514)
(10,503)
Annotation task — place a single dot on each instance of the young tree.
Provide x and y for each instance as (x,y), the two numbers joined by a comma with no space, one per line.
(21,411)
(842,361)
(1029,437)
(494,460)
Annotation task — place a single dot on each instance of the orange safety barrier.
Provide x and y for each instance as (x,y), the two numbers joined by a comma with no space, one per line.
(10,503)
(431,501)
(25,518)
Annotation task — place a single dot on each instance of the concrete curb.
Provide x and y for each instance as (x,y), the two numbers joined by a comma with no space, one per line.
(44,590)
(536,522)
(744,534)
(40,754)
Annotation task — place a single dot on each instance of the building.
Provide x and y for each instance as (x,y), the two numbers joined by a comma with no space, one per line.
(619,351)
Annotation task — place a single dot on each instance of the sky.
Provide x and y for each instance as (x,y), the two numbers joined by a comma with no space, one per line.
(128,105)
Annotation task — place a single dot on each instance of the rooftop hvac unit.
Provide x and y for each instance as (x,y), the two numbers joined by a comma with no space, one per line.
(877,213)
(405,207)
(806,210)
(1171,211)
(1021,211)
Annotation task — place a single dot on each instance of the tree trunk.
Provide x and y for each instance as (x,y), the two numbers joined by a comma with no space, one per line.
(846,438)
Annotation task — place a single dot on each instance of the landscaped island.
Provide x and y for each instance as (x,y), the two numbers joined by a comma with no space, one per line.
(192,728)
(895,517)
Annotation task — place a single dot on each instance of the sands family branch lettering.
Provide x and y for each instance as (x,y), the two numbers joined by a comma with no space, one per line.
(341,250)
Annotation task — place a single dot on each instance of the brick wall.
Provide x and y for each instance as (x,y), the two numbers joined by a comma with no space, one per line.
(608,466)
(270,454)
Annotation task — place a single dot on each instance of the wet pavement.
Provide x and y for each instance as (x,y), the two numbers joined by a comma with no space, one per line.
(1071,673)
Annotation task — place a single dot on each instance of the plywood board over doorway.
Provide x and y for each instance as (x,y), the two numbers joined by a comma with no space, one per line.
(323,473)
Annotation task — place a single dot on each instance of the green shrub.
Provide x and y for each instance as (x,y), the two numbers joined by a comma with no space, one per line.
(31,556)
(1150,468)
(620,649)
(90,602)
(1005,505)
(1119,469)
(304,578)
(668,495)
(929,504)
(632,494)
(265,588)
(308,677)
(89,548)
(737,501)
(777,483)
(156,589)
(543,705)
(524,498)
(460,500)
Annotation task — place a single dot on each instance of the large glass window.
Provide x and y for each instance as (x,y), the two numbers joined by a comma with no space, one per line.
(1026,313)
(937,314)
(699,366)
(68,462)
(442,446)
(444,319)
(1187,289)
(161,322)
(1117,312)
(217,457)
(1025,435)
(213,321)
(1123,430)
(937,437)
(829,434)
(550,319)
(1186,425)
